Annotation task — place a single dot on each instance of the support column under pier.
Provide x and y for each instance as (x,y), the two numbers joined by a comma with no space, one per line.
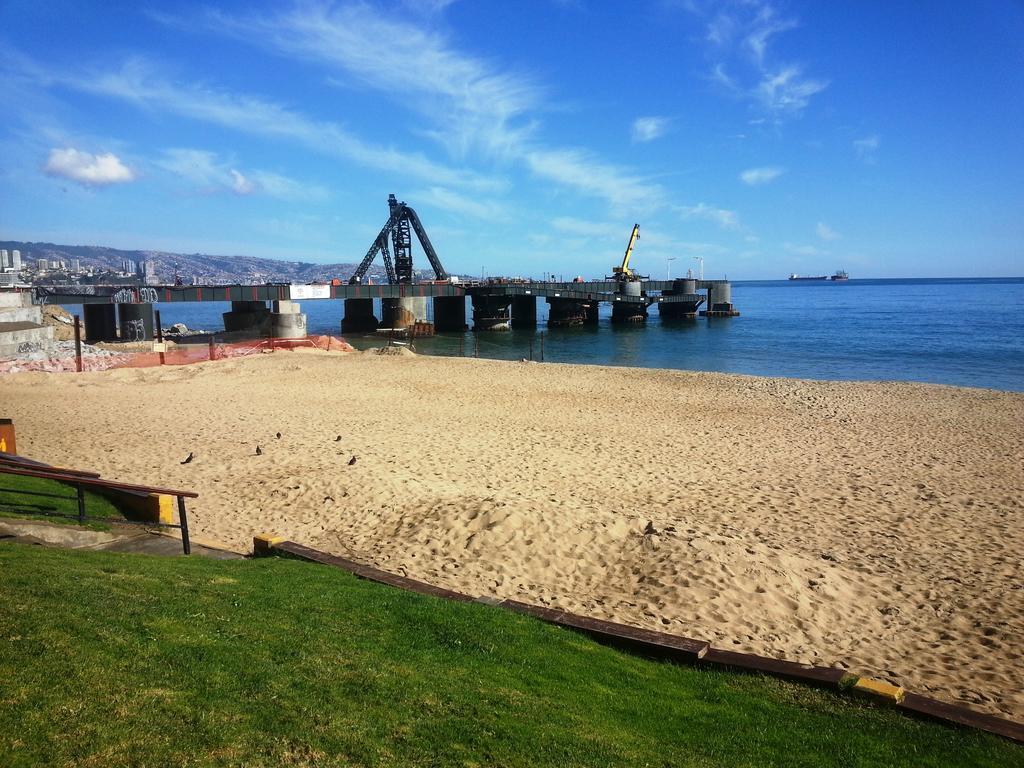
(567,312)
(287,321)
(490,312)
(524,311)
(634,311)
(136,321)
(629,312)
(358,317)
(403,313)
(593,313)
(251,318)
(720,301)
(450,313)
(100,322)
(678,310)
(684,308)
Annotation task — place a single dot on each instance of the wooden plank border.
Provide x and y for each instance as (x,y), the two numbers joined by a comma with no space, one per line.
(368,572)
(659,644)
(791,670)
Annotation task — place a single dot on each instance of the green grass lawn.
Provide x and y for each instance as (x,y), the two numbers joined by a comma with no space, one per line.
(18,501)
(110,660)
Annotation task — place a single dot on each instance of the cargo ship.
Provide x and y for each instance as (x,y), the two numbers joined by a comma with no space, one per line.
(840,275)
(795,276)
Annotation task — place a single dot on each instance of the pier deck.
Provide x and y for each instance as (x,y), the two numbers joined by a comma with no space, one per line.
(599,290)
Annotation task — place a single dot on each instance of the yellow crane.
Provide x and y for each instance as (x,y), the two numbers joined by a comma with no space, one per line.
(623,272)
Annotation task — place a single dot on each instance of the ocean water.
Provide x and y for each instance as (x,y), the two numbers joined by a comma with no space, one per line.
(967,332)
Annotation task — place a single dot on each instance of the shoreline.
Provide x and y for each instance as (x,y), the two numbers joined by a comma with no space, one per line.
(866,524)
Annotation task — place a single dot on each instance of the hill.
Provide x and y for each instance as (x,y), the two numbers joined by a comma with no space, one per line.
(205,268)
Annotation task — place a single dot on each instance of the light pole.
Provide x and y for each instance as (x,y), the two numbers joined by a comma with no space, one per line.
(700,260)
(668,267)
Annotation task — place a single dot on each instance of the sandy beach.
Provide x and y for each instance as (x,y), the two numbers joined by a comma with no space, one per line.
(875,526)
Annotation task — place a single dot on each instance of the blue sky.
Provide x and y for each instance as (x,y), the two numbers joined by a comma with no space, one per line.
(764,137)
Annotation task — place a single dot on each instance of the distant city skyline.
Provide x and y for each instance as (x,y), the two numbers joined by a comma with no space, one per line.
(764,138)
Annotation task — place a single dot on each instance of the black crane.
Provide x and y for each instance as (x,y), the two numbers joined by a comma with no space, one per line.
(401,219)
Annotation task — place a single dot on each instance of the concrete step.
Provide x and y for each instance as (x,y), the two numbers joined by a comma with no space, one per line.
(17,314)
(22,337)
(15,298)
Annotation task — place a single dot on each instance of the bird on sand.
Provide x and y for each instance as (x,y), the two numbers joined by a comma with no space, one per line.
(352,461)
(188,458)
(259,451)
(278,435)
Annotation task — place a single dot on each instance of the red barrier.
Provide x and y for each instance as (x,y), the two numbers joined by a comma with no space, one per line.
(173,354)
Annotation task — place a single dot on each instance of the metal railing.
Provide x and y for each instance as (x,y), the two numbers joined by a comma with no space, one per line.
(80,481)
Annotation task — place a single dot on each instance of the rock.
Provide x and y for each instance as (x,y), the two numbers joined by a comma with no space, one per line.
(178,328)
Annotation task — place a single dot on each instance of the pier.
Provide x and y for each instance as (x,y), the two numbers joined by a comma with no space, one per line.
(274,311)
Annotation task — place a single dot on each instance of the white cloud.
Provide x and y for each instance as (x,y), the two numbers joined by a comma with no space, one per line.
(766,24)
(453,202)
(211,175)
(654,242)
(136,84)
(285,188)
(724,218)
(427,7)
(649,128)
(866,148)
(583,228)
(803,250)
(466,103)
(87,168)
(585,173)
(741,33)
(241,185)
(786,90)
(197,166)
(469,105)
(825,232)
(755,176)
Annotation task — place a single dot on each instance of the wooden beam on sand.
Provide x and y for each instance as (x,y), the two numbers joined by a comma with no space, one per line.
(368,572)
(649,642)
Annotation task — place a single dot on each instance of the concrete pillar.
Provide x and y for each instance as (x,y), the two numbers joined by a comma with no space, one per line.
(358,317)
(629,311)
(566,312)
(450,313)
(593,313)
(136,321)
(490,313)
(720,297)
(248,317)
(720,301)
(524,311)
(288,325)
(287,321)
(402,313)
(681,310)
(100,322)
